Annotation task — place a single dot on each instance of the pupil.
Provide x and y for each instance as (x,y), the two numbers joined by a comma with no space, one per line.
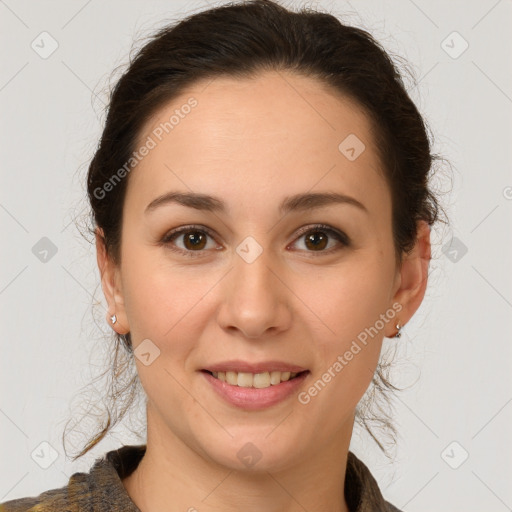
(194,239)
(317,240)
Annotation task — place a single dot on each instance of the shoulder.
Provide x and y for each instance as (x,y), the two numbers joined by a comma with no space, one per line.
(55,500)
(362,490)
(100,489)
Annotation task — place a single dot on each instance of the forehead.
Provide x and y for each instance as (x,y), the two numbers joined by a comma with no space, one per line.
(274,134)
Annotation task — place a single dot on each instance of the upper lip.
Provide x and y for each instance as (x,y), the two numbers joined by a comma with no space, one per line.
(244,366)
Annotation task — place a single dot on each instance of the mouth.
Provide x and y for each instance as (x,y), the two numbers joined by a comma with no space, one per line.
(259,380)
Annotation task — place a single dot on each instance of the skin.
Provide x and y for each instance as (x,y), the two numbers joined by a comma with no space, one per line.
(251,143)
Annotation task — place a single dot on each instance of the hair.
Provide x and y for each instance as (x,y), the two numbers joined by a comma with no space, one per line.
(241,40)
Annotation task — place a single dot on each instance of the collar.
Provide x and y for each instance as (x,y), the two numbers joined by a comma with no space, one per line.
(361,489)
(102,489)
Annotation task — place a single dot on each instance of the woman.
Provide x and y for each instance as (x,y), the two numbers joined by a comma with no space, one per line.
(262,219)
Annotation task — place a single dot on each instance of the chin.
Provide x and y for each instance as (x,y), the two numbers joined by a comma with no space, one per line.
(254,452)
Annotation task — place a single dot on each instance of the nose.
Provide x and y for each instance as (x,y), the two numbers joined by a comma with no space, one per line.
(255,299)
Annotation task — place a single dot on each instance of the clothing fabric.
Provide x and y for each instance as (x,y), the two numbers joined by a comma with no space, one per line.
(101,489)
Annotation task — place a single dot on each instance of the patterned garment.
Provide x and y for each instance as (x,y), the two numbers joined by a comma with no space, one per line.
(101,489)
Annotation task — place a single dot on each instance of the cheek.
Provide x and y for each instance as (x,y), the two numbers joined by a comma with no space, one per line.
(349,299)
(345,361)
(167,306)
(353,311)
(159,295)
(160,298)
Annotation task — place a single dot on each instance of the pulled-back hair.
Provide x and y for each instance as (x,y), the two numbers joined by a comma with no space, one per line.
(240,40)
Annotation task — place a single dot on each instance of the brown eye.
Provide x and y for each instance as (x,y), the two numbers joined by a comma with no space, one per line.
(323,239)
(316,240)
(188,240)
(194,240)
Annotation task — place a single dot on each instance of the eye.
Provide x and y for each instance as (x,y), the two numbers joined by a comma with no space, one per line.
(193,238)
(317,238)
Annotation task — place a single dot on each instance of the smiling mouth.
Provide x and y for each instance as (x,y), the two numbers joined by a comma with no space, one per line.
(255,380)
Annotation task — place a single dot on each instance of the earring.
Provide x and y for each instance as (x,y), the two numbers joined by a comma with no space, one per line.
(398,333)
(113,318)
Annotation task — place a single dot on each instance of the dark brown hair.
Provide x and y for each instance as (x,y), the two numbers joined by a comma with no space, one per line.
(240,40)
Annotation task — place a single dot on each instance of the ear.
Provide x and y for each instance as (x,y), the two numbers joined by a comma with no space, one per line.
(110,283)
(413,276)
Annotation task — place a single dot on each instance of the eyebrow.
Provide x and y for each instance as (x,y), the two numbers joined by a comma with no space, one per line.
(295,203)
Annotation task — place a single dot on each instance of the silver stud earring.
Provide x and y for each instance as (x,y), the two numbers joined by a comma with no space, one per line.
(113,319)
(398,333)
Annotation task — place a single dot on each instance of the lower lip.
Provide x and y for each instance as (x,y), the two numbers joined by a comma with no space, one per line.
(253,398)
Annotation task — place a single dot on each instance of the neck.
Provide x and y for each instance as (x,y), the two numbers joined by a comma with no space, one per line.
(172,473)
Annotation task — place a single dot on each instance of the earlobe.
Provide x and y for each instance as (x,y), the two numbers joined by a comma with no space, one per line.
(414,274)
(109,284)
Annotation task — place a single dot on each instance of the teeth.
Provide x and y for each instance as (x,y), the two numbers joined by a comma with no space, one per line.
(244,380)
(275,378)
(256,380)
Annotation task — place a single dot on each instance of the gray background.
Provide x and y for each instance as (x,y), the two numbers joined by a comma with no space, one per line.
(455,354)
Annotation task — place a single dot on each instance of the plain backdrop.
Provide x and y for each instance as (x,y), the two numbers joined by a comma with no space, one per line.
(454,421)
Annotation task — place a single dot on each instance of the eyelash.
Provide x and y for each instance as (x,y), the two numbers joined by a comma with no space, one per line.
(172,235)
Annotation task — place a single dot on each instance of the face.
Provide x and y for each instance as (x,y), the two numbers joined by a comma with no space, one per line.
(267,271)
